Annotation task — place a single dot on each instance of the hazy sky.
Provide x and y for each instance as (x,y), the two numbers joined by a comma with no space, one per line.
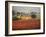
(26,9)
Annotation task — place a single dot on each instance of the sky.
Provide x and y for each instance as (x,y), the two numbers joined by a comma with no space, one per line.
(26,9)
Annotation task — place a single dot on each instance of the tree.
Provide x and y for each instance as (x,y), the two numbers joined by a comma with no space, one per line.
(33,15)
(13,13)
(18,13)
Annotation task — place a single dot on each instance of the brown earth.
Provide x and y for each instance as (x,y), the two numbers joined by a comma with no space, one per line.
(25,24)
